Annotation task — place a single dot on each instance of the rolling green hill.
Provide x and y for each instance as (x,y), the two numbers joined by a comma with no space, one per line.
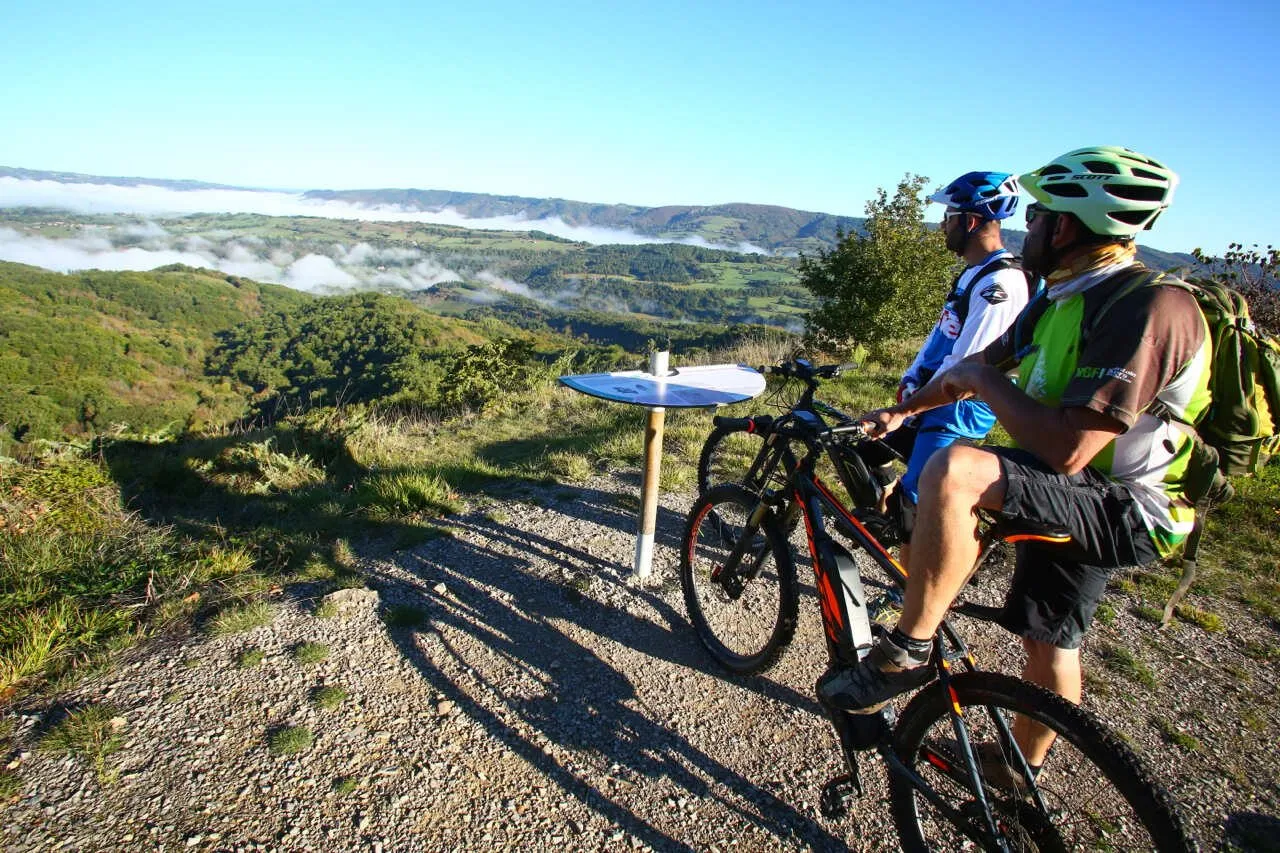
(185,349)
(86,351)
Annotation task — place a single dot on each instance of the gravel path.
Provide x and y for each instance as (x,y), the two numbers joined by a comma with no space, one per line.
(545,698)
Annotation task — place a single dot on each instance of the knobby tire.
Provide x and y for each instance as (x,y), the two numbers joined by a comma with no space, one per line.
(1096,790)
(748,633)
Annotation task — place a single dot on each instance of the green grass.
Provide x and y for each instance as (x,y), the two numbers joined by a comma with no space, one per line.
(1254,721)
(310,654)
(404,616)
(405,492)
(1210,622)
(72,567)
(1121,661)
(10,785)
(1148,613)
(239,618)
(326,610)
(328,697)
(344,785)
(1171,733)
(289,740)
(250,658)
(93,733)
(1106,614)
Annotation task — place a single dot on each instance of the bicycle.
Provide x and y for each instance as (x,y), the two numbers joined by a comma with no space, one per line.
(732,445)
(740,588)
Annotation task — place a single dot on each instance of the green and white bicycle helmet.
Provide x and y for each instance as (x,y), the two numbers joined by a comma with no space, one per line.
(1114,191)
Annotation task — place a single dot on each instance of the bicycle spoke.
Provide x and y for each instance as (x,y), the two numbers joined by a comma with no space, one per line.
(1090,795)
(741,600)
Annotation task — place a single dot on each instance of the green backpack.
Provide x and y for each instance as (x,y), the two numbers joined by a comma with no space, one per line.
(1242,424)
(1241,427)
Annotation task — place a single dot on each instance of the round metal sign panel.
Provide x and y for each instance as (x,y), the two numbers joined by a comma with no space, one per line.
(684,388)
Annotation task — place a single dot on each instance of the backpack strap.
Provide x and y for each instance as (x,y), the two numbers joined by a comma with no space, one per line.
(1003,262)
(1134,278)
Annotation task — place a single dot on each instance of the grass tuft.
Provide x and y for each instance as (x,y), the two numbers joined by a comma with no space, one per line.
(1106,614)
(93,732)
(1147,613)
(10,785)
(328,697)
(1171,733)
(289,740)
(310,654)
(407,492)
(404,616)
(238,618)
(1205,619)
(249,658)
(1123,662)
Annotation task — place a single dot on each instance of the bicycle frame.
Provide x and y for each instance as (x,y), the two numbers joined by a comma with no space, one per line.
(847,626)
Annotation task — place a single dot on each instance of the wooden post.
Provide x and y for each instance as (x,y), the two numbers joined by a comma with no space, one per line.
(643,566)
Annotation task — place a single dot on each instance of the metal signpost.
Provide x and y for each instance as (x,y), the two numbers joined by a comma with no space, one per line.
(658,390)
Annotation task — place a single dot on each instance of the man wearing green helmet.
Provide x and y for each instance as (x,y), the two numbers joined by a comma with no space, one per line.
(1089,456)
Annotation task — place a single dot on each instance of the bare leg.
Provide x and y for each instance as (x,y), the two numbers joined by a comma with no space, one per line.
(944,545)
(1054,669)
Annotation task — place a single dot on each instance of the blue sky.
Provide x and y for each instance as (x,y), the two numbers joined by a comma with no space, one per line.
(810,105)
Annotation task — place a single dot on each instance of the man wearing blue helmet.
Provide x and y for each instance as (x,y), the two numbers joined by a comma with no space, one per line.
(984,301)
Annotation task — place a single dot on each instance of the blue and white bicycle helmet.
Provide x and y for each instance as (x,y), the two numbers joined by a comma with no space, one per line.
(991,195)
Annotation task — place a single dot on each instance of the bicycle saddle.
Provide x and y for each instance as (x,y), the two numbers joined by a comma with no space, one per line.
(1022,530)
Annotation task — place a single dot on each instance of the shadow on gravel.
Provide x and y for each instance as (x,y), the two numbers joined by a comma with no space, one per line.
(1251,831)
(569,713)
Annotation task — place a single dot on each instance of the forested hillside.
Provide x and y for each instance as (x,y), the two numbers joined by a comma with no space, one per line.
(83,352)
(182,349)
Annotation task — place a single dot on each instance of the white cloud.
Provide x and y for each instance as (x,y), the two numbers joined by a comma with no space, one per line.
(506,285)
(149,200)
(314,271)
(88,253)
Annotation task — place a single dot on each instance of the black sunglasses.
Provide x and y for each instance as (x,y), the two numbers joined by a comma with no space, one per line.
(1035,209)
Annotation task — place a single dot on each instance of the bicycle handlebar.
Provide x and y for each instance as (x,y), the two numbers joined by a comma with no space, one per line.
(803,369)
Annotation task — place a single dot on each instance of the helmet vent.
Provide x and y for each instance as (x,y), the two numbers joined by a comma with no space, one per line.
(1130,217)
(1065,190)
(1101,167)
(1054,169)
(1152,176)
(1136,193)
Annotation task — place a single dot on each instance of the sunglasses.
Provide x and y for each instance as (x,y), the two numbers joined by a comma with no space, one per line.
(951,213)
(1035,209)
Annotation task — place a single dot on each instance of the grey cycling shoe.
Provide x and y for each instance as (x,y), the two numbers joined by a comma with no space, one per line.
(868,687)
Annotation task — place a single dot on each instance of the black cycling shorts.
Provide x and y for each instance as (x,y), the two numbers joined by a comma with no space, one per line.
(1056,588)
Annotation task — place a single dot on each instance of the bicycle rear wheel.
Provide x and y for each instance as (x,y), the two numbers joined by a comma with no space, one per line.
(1097,794)
(744,614)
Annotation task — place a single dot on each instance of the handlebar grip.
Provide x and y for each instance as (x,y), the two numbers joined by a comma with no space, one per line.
(759,423)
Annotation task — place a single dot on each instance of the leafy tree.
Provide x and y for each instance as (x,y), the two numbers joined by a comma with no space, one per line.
(884,283)
(1255,273)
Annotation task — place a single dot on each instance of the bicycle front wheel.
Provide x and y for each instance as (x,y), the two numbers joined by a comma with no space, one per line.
(743,610)
(1094,792)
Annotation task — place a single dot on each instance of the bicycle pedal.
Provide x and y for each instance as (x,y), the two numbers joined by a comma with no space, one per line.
(833,802)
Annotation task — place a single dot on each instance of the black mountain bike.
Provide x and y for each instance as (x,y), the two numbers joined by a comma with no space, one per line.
(956,776)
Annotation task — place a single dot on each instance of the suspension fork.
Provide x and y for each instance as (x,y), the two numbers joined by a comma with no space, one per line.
(731,575)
